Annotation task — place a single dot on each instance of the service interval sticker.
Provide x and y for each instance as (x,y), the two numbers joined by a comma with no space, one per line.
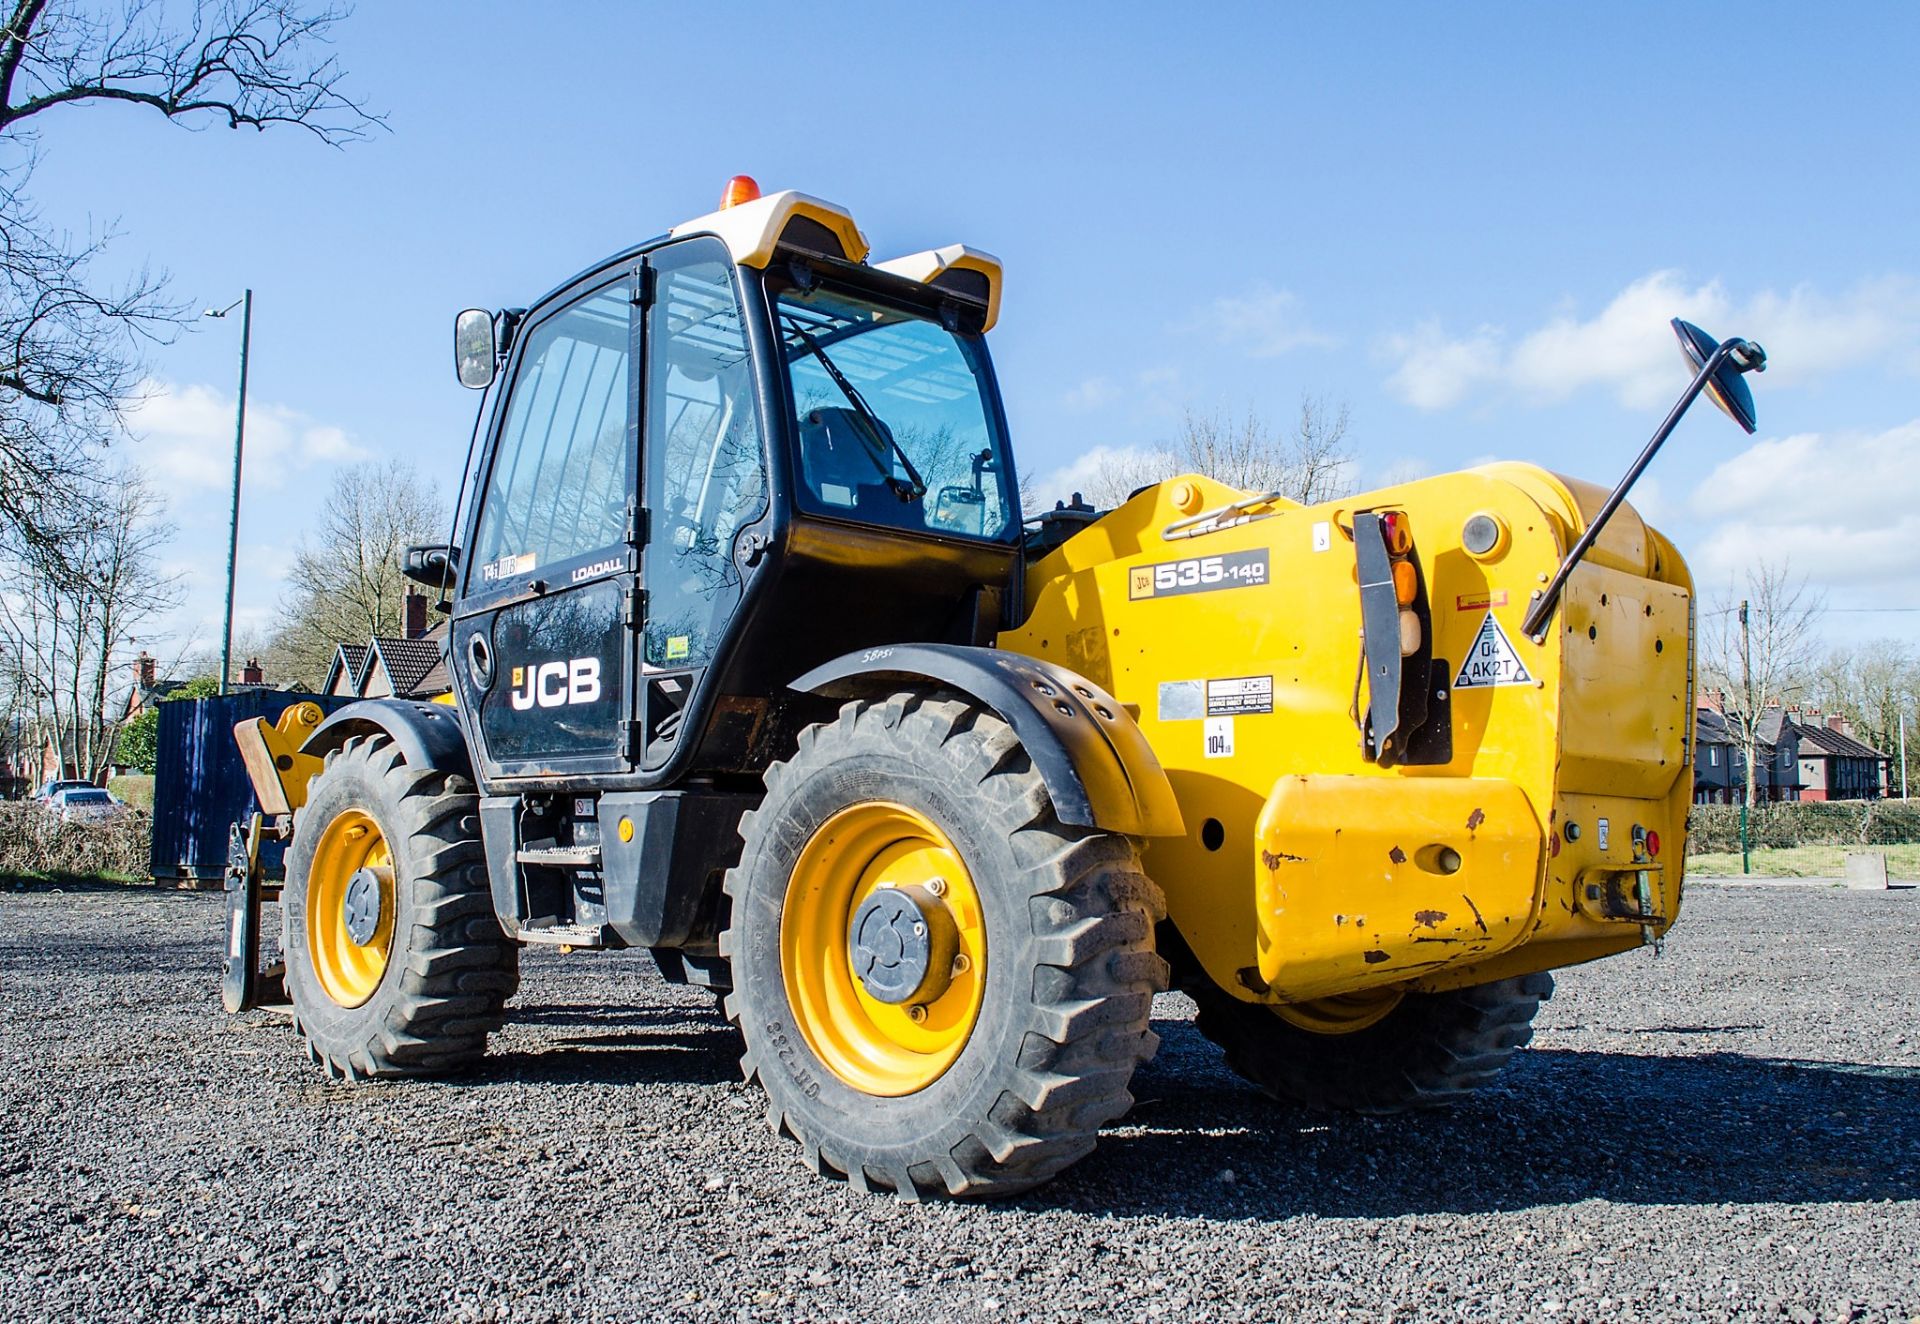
(1219,737)
(1239,694)
(1198,574)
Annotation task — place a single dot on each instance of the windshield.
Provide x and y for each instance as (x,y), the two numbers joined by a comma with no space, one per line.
(86,797)
(892,418)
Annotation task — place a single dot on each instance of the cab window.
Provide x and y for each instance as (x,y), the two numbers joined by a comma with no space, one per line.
(563,467)
(891,416)
(706,476)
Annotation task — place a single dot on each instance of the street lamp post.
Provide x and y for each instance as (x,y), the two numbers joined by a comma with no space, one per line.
(245,304)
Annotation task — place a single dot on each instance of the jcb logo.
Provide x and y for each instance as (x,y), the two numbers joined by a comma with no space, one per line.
(554,684)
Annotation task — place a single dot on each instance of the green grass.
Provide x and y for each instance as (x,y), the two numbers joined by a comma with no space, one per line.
(135,788)
(1803,862)
(71,882)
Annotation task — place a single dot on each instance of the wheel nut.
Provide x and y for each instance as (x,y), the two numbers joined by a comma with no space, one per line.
(917,1014)
(961,964)
(937,886)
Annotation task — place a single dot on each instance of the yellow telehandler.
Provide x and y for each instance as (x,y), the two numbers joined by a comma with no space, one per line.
(755,663)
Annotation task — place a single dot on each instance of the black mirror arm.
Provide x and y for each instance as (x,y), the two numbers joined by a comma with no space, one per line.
(1535,624)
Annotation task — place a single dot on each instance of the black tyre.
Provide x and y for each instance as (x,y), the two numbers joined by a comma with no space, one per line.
(396,965)
(1431,1050)
(985,1059)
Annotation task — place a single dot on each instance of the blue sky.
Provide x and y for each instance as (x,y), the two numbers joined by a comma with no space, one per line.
(1468,222)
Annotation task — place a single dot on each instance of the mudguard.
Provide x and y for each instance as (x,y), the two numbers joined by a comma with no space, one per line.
(428,734)
(1096,763)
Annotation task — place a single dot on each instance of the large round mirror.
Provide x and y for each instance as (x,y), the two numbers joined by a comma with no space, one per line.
(1726,388)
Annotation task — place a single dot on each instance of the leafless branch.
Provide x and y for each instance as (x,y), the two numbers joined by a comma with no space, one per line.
(245,63)
(1312,463)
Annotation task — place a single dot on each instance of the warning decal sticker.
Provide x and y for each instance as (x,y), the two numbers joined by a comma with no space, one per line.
(1241,694)
(1491,661)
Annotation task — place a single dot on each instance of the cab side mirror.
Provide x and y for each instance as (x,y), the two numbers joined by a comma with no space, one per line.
(475,351)
(433,565)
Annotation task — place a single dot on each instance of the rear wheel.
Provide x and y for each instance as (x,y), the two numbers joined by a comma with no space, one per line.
(396,964)
(942,988)
(1376,1052)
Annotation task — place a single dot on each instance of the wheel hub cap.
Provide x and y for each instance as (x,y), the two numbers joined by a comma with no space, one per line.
(361,907)
(898,941)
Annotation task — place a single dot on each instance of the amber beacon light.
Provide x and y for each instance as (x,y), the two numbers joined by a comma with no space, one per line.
(741,188)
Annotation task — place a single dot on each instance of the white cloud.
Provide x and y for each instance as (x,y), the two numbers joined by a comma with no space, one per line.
(1436,372)
(1091,471)
(1263,323)
(1626,347)
(1090,394)
(184,434)
(1841,509)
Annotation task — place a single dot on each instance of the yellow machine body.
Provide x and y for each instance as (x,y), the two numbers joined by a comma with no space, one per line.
(271,753)
(1552,832)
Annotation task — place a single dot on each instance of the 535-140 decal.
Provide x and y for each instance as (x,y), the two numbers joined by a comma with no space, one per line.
(1198,574)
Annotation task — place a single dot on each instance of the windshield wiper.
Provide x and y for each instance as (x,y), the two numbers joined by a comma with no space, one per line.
(881,434)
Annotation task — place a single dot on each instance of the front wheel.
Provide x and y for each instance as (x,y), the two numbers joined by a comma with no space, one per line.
(396,964)
(942,988)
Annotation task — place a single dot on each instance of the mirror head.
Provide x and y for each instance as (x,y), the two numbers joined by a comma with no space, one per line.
(961,508)
(1727,387)
(434,565)
(475,356)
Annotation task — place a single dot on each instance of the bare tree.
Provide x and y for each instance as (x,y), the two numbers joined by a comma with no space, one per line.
(247,62)
(1875,686)
(347,585)
(66,630)
(71,340)
(1759,644)
(1312,462)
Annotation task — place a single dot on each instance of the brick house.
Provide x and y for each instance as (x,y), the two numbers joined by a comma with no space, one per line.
(1835,764)
(1720,756)
(409,667)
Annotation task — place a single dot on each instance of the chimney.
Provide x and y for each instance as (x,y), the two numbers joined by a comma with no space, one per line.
(1838,722)
(144,666)
(1713,701)
(416,620)
(251,674)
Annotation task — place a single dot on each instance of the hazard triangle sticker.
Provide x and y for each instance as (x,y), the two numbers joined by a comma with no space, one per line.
(1491,661)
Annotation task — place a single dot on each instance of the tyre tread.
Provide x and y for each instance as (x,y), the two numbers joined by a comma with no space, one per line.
(1433,1051)
(1091,913)
(453,985)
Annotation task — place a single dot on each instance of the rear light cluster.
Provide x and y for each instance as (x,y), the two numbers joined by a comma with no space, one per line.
(1398,534)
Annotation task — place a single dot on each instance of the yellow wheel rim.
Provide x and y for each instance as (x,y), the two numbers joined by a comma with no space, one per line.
(1344,1014)
(879,1047)
(349,971)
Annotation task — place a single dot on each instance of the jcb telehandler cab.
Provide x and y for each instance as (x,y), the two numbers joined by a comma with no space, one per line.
(754,663)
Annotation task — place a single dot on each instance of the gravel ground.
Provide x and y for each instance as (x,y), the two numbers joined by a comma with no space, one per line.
(1731,1130)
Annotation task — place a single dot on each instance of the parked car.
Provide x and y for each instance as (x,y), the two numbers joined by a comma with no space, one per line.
(49,789)
(86,804)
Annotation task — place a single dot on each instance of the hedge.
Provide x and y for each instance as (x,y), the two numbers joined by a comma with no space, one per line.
(1807,823)
(34,843)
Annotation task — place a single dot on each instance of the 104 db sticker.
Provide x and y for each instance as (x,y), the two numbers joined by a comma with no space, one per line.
(1198,574)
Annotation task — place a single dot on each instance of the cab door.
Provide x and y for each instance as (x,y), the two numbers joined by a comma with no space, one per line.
(705,481)
(543,644)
